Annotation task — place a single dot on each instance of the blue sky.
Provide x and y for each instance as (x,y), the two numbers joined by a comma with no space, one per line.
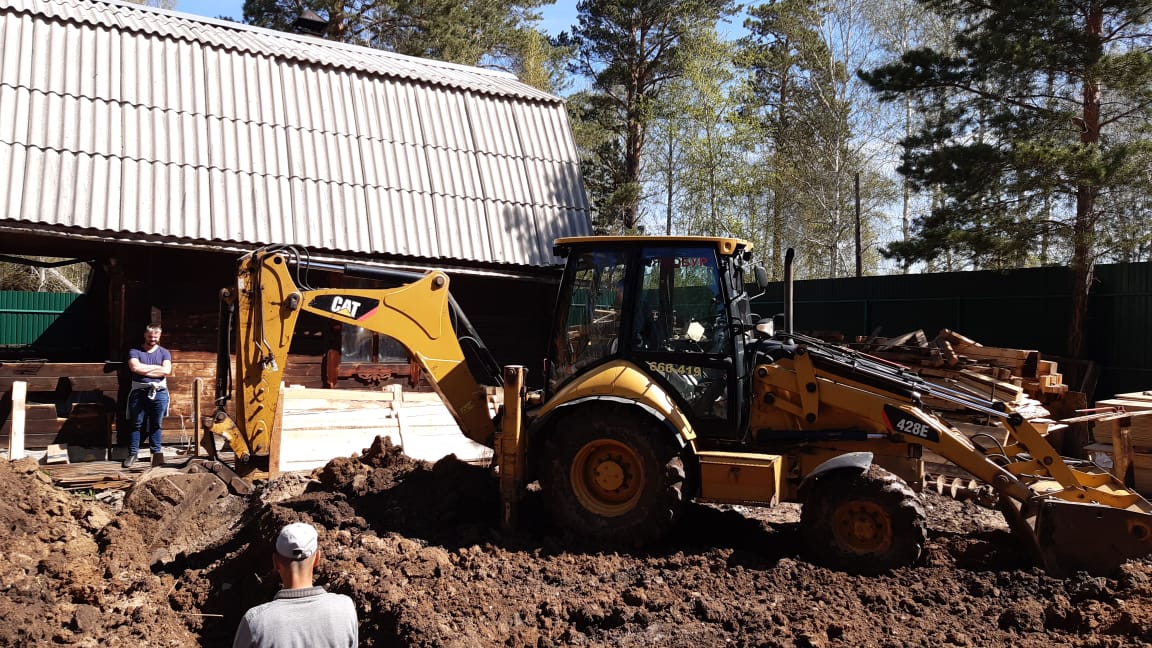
(557,17)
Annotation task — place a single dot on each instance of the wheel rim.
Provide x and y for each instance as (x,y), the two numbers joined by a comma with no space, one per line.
(607,477)
(862,527)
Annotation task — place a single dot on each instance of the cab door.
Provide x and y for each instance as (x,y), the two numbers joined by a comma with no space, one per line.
(681,332)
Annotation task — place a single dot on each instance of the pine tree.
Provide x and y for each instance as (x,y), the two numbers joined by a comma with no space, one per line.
(1023,152)
(629,50)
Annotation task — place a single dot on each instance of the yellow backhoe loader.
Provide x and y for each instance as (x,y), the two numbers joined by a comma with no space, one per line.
(662,387)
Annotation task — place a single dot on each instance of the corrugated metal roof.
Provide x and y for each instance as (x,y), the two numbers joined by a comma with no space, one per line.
(125,119)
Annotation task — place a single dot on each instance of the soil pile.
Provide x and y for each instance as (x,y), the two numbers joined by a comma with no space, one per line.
(419,548)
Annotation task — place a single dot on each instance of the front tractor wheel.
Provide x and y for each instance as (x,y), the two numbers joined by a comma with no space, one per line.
(614,475)
(864,523)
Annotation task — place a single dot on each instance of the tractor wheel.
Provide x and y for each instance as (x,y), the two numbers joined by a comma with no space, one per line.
(614,475)
(864,523)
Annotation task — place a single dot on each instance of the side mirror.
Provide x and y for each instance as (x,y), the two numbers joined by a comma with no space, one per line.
(761,276)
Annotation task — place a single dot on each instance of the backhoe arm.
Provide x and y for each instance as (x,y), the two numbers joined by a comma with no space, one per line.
(268,301)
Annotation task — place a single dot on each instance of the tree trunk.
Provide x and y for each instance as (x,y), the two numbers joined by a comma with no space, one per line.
(1084,229)
(670,189)
(634,147)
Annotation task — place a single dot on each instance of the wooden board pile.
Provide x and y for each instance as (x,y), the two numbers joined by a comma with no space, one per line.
(1018,376)
(1134,431)
(320,424)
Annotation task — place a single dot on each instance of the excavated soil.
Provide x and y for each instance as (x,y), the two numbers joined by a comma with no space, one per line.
(419,548)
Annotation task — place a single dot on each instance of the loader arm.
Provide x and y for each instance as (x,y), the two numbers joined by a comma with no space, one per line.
(268,300)
(1065,508)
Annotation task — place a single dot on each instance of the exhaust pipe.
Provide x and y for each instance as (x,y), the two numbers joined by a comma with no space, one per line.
(789,257)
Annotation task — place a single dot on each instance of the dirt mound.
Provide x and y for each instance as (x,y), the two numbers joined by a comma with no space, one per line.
(419,548)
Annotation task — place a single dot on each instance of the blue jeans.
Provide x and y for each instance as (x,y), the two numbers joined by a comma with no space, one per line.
(141,409)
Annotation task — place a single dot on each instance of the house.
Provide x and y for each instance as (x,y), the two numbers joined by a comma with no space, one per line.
(156,147)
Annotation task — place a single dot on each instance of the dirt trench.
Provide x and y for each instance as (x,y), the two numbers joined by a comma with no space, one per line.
(419,549)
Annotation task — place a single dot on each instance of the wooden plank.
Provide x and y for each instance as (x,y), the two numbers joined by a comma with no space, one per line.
(957,341)
(903,340)
(110,384)
(335,420)
(977,384)
(39,412)
(16,433)
(197,389)
(31,383)
(1122,451)
(420,397)
(56,453)
(1129,405)
(22,370)
(1135,396)
(307,393)
(312,450)
(321,424)
(275,439)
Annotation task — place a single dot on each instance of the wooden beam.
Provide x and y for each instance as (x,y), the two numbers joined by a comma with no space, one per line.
(276,438)
(197,386)
(16,436)
(1122,465)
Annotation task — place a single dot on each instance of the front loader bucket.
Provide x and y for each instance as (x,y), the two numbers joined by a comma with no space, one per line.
(1075,536)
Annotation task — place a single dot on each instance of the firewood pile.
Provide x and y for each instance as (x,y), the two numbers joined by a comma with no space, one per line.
(1035,387)
(1017,376)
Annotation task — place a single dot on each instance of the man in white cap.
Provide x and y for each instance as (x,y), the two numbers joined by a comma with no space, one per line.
(300,615)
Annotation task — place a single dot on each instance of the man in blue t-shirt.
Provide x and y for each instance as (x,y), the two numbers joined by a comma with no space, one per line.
(150,364)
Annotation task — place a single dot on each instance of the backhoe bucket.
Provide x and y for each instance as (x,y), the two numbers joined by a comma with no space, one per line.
(1075,536)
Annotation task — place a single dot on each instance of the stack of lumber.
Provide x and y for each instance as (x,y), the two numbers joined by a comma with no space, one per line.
(1032,385)
(1017,376)
(1131,428)
(93,476)
(86,425)
(319,425)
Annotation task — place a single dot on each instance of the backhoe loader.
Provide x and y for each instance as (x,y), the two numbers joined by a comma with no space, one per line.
(661,387)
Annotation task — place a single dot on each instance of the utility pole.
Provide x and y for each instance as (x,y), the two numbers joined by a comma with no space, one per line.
(859,252)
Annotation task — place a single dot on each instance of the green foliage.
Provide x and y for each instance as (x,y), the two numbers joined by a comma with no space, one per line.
(494,33)
(1026,145)
(630,51)
(1045,101)
(796,56)
(696,152)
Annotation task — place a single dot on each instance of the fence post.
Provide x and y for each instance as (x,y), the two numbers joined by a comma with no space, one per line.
(16,436)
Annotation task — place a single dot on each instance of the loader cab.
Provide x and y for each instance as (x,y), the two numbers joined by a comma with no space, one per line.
(675,307)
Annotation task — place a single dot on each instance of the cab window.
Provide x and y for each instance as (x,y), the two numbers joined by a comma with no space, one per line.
(680,305)
(591,326)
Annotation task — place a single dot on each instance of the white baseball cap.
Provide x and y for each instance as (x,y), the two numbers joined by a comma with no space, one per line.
(297,541)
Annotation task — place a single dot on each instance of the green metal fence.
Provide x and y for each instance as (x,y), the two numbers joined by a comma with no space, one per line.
(25,316)
(44,321)
(1027,309)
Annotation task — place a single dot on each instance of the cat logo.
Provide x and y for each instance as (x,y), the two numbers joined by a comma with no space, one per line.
(344,306)
(350,306)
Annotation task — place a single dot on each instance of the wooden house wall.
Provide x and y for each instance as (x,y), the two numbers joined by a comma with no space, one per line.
(180,289)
